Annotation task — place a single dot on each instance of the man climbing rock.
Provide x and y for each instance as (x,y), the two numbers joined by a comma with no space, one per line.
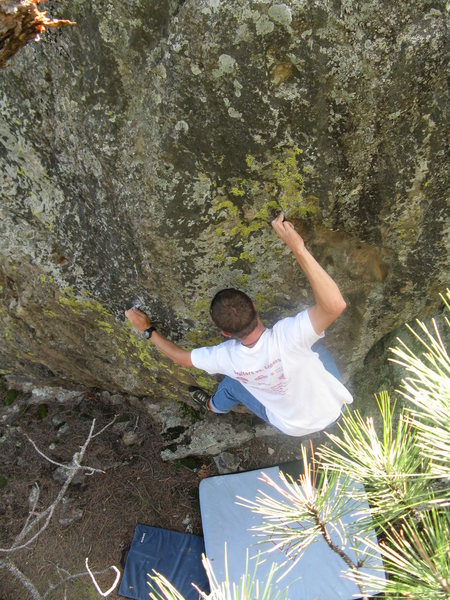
(276,372)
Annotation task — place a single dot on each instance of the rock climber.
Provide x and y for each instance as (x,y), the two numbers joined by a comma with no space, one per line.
(279,373)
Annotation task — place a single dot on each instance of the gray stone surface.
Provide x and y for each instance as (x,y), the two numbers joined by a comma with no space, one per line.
(143,152)
(49,393)
(61,474)
(75,516)
(188,433)
(69,514)
(212,436)
(227,462)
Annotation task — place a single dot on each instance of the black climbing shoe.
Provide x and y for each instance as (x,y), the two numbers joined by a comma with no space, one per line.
(200,397)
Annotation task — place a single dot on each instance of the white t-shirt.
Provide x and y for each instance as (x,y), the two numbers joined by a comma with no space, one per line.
(283,373)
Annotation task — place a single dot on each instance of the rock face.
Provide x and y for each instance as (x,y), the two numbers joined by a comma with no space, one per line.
(144,151)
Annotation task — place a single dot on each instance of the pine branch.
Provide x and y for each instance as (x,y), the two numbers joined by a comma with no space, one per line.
(427,389)
(354,568)
(389,466)
(423,553)
(309,506)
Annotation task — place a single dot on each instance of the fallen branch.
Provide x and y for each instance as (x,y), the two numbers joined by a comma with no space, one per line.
(97,587)
(90,574)
(30,531)
(21,577)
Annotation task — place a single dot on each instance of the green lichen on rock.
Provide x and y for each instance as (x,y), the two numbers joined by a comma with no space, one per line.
(84,303)
(254,201)
(289,179)
(291,186)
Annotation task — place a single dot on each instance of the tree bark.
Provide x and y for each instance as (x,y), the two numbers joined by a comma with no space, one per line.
(21,21)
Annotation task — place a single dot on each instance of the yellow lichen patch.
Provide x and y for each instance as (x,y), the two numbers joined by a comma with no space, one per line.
(134,347)
(66,302)
(246,256)
(95,312)
(243,211)
(242,280)
(310,208)
(250,160)
(268,211)
(227,207)
(235,191)
(46,278)
(206,383)
(268,191)
(243,230)
(288,178)
(140,354)
(264,301)
(105,326)
(218,159)
(81,304)
(78,306)
(290,185)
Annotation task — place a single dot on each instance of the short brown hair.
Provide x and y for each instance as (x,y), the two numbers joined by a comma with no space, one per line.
(233,312)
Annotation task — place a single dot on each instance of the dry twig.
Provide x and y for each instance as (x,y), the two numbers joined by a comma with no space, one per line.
(36,522)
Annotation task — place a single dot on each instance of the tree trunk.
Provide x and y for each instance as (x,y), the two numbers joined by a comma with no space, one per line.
(21,22)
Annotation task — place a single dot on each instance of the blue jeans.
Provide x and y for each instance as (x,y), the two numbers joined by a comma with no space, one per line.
(231,392)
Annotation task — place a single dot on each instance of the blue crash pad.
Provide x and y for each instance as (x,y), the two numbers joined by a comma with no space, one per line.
(177,556)
(319,573)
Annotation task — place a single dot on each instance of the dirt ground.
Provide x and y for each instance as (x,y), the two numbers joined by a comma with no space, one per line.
(100,511)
